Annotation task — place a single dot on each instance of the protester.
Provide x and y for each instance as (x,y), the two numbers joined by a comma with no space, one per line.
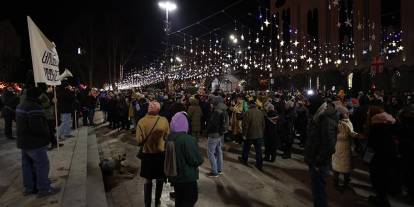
(151,132)
(406,119)
(91,105)
(188,158)
(216,128)
(122,108)
(342,158)
(194,115)
(47,106)
(319,149)
(10,102)
(253,131)
(271,134)
(66,103)
(33,136)
(290,116)
(236,119)
(383,166)
(301,122)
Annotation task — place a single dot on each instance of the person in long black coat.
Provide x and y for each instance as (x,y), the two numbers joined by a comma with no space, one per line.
(383,166)
(405,129)
(271,139)
(10,102)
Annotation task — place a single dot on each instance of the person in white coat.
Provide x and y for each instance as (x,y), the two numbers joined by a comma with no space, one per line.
(342,158)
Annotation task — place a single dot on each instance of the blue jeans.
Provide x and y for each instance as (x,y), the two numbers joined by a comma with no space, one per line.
(35,166)
(318,183)
(215,154)
(258,143)
(64,128)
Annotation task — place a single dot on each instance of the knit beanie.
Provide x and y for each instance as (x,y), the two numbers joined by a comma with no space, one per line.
(154,108)
(179,123)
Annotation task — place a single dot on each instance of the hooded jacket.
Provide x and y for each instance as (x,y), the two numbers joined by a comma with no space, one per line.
(219,121)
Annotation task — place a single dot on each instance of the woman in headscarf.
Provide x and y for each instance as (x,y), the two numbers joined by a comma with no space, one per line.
(188,158)
(151,132)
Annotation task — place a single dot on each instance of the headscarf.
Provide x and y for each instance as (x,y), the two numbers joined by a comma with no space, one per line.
(179,123)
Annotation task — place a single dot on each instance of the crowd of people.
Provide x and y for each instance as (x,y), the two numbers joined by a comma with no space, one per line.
(332,129)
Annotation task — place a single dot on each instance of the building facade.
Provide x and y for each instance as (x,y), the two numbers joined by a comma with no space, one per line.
(377,34)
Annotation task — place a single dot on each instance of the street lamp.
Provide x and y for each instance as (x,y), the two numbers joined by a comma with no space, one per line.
(167,6)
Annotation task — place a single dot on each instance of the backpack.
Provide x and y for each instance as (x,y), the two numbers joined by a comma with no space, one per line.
(170,161)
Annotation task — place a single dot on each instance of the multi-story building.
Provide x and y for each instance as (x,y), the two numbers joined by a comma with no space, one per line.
(376,37)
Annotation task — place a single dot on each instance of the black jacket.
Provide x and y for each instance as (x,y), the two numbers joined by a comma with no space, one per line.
(31,124)
(322,139)
(10,102)
(66,101)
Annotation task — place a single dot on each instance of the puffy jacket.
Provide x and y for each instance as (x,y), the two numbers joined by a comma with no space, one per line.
(31,124)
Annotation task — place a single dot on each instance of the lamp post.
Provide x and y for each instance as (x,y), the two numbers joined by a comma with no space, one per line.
(167,6)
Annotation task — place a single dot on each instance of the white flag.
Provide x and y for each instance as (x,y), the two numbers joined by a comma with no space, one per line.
(44,56)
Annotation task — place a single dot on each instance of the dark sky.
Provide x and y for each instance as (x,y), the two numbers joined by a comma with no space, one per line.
(142,19)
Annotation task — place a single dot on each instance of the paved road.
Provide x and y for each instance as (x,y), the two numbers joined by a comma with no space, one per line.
(283,183)
(9,160)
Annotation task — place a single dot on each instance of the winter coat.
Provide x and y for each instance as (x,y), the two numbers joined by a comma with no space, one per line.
(253,124)
(321,140)
(47,106)
(66,101)
(10,102)
(341,159)
(271,134)
(302,117)
(31,125)
(156,141)
(236,123)
(122,108)
(194,114)
(384,165)
(90,102)
(380,136)
(188,158)
(218,124)
(405,132)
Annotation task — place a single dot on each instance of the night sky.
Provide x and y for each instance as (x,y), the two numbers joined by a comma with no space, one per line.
(141,20)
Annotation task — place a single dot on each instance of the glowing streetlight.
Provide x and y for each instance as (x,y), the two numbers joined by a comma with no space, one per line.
(167,6)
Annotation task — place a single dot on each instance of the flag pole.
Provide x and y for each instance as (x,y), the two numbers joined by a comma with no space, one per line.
(56,117)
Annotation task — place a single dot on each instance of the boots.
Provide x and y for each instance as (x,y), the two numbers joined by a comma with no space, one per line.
(147,194)
(158,192)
